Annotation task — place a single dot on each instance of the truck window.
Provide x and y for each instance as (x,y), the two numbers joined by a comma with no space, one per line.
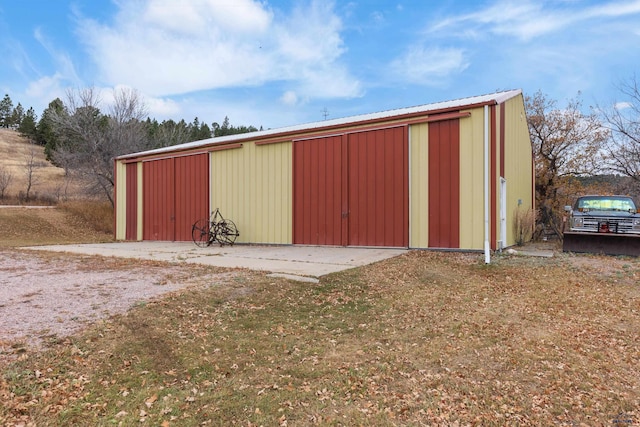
(606,204)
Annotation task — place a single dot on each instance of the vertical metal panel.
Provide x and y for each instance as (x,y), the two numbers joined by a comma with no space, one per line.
(140,201)
(518,161)
(378,188)
(444,184)
(493,179)
(471,181)
(120,199)
(317,198)
(419,182)
(271,198)
(502,138)
(344,190)
(132,202)
(191,194)
(252,187)
(158,204)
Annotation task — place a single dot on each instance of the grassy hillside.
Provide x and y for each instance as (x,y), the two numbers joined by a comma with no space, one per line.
(71,222)
(75,220)
(49,184)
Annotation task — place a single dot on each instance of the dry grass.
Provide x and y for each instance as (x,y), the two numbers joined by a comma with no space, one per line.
(49,182)
(77,222)
(422,339)
(98,214)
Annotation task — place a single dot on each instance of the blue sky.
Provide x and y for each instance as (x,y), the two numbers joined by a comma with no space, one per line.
(275,63)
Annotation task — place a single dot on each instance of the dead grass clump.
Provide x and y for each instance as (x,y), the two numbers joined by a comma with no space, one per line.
(524,221)
(98,214)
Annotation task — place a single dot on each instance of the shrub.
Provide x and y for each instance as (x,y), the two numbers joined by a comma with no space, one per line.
(5,179)
(523,222)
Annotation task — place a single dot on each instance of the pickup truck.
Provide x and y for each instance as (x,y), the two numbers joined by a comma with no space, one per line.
(604,214)
(603,224)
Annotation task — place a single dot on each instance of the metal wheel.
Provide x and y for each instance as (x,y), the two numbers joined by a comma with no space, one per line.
(201,233)
(226,232)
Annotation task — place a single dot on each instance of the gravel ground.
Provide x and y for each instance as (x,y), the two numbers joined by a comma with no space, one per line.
(50,296)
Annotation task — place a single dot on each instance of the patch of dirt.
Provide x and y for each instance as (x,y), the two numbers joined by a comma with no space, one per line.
(620,268)
(45,297)
(617,268)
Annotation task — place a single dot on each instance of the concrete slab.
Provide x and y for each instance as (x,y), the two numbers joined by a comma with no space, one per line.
(310,261)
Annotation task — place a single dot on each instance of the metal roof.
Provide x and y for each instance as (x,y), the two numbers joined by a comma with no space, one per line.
(496,98)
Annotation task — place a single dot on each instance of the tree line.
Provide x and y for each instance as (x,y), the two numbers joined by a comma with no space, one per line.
(81,137)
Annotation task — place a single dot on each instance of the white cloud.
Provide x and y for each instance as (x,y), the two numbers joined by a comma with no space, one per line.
(199,16)
(614,9)
(64,63)
(329,82)
(162,107)
(289,98)
(529,19)
(623,105)
(429,66)
(48,87)
(163,47)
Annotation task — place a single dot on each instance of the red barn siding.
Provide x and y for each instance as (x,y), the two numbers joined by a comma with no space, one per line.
(175,195)
(378,188)
(317,185)
(444,184)
(158,200)
(192,193)
(352,189)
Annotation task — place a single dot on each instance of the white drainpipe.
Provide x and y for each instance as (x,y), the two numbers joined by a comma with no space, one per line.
(487,248)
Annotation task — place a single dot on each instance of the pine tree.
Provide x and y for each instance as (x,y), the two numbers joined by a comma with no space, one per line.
(6,108)
(27,125)
(45,134)
(17,115)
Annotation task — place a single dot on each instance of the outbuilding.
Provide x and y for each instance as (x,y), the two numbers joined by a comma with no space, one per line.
(447,175)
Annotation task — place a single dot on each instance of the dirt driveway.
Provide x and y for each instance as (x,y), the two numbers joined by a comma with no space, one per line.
(48,296)
(50,292)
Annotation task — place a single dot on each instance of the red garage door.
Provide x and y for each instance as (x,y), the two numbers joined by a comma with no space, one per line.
(175,195)
(317,186)
(352,189)
(378,188)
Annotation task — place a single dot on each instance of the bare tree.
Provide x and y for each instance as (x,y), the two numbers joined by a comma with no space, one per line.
(31,165)
(5,180)
(89,139)
(566,143)
(623,121)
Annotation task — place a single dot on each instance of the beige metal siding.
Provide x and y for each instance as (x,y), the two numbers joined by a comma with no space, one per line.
(121,201)
(419,186)
(472,180)
(252,187)
(518,162)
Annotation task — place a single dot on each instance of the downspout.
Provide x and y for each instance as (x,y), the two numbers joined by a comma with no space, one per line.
(487,248)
